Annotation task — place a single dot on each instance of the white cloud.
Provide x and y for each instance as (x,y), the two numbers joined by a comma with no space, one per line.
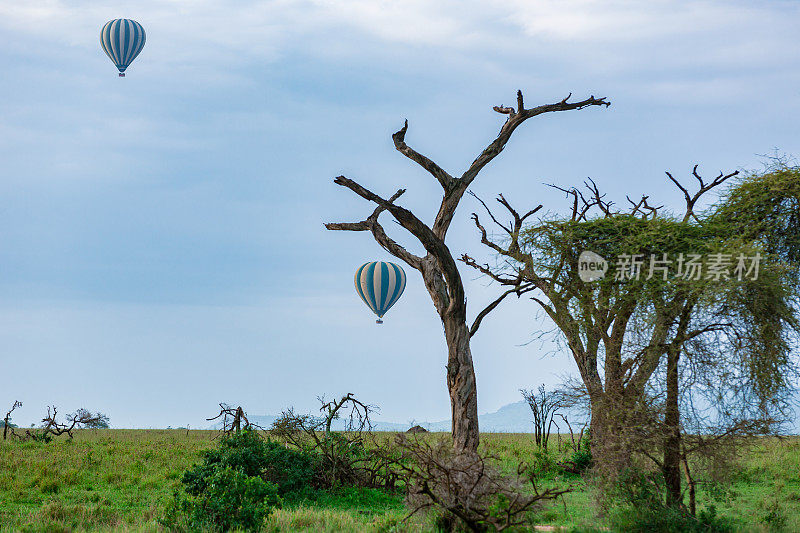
(618,41)
(581,31)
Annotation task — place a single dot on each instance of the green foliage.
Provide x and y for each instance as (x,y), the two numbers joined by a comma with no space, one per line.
(766,207)
(94,420)
(581,458)
(735,337)
(762,210)
(543,463)
(42,437)
(772,515)
(640,508)
(246,452)
(229,500)
(238,484)
(614,236)
(121,480)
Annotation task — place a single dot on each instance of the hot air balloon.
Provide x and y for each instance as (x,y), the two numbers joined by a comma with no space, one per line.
(380,285)
(122,40)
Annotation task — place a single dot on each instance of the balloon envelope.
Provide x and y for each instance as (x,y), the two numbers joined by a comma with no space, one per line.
(380,285)
(122,40)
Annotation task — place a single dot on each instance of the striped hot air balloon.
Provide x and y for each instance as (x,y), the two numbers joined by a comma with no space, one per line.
(122,40)
(380,285)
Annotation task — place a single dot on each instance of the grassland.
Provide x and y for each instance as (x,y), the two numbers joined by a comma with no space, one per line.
(119,480)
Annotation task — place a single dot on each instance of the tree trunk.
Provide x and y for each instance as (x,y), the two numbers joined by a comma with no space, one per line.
(461,384)
(672,440)
(691,483)
(609,445)
(438,267)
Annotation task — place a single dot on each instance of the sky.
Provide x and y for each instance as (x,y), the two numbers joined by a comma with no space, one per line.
(162,246)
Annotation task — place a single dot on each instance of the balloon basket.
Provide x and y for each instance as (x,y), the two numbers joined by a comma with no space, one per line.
(121,74)
(379,321)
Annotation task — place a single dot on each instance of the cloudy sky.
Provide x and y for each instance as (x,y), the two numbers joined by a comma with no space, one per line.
(161,236)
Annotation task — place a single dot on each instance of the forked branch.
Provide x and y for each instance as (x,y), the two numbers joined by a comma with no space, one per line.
(691,200)
(445,179)
(7,419)
(582,205)
(515,118)
(371,224)
(643,209)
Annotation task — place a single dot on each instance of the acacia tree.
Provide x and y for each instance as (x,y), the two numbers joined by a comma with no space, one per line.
(623,330)
(744,366)
(595,318)
(729,347)
(438,267)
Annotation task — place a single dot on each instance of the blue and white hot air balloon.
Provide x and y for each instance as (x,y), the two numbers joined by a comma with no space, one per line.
(380,285)
(122,40)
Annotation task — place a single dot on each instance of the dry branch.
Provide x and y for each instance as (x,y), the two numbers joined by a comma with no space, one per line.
(438,267)
(7,419)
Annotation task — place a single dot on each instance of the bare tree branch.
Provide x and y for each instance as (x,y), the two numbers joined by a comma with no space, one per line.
(484,269)
(371,224)
(515,118)
(489,211)
(438,268)
(7,419)
(519,291)
(691,200)
(445,179)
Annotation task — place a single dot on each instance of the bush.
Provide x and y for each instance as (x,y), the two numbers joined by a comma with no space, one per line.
(543,463)
(773,515)
(641,508)
(467,490)
(289,470)
(342,459)
(581,459)
(238,484)
(230,500)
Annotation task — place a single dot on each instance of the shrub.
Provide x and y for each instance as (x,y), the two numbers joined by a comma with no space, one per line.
(238,484)
(640,508)
(247,452)
(229,500)
(350,459)
(773,515)
(467,491)
(581,459)
(543,463)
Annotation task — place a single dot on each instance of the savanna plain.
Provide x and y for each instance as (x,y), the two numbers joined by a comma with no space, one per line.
(121,480)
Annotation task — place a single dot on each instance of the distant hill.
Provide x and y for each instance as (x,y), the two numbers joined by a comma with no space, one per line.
(511,418)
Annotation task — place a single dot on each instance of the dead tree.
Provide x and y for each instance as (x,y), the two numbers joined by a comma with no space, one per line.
(469,488)
(354,457)
(438,267)
(544,406)
(360,412)
(51,427)
(7,419)
(80,419)
(236,415)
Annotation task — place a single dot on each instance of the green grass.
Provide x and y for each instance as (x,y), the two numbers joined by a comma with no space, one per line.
(119,480)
